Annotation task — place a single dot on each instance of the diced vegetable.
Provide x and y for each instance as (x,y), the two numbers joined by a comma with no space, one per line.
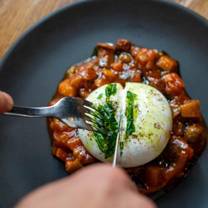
(147,57)
(134,51)
(87,73)
(107,46)
(60,153)
(105,53)
(58,125)
(66,89)
(123,45)
(193,132)
(136,77)
(76,81)
(167,63)
(142,57)
(84,92)
(191,109)
(125,58)
(154,176)
(109,74)
(101,81)
(174,85)
(73,143)
(72,165)
(117,66)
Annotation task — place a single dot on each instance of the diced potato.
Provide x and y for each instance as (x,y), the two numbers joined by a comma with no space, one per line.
(123,45)
(106,46)
(117,66)
(83,92)
(101,81)
(72,165)
(105,53)
(73,143)
(174,85)
(60,139)
(57,125)
(193,132)
(59,153)
(109,74)
(142,57)
(125,58)
(191,109)
(87,72)
(76,81)
(167,63)
(134,51)
(66,89)
(147,56)
(136,77)
(153,176)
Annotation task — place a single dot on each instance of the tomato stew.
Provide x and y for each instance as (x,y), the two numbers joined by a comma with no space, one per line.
(124,62)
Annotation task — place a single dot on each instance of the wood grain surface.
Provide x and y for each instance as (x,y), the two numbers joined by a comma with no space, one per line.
(18,15)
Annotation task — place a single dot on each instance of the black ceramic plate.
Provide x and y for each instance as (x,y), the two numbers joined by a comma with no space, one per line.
(35,64)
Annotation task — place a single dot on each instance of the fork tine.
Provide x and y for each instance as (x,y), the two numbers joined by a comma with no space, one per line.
(90,116)
(94,119)
(88,103)
(91,111)
(89,106)
(92,124)
(88,110)
(95,127)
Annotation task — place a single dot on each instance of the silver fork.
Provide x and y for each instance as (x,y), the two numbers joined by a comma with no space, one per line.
(74,112)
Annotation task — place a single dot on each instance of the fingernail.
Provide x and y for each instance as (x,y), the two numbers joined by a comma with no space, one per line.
(6,101)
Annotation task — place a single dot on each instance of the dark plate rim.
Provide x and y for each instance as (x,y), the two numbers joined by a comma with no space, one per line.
(55,13)
(177,7)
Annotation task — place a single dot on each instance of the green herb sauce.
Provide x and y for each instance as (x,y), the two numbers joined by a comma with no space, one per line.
(111,89)
(100,96)
(130,101)
(107,124)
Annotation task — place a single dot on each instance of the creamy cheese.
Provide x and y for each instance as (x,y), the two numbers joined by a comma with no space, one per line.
(145,127)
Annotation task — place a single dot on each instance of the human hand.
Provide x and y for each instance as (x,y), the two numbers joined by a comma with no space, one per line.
(6,102)
(98,186)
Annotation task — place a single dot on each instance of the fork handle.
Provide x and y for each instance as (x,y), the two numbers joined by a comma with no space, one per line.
(31,111)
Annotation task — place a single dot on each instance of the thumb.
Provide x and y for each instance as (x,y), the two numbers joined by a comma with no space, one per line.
(6,102)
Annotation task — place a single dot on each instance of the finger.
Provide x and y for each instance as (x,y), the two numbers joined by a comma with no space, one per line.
(137,200)
(107,171)
(143,201)
(6,102)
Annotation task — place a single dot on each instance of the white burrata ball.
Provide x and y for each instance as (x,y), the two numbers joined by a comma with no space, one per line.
(145,126)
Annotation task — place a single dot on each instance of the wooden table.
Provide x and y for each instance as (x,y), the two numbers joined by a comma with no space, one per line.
(17,15)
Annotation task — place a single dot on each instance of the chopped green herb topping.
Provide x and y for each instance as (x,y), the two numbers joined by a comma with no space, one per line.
(107,124)
(107,129)
(130,98)
(100,96)
(111,89)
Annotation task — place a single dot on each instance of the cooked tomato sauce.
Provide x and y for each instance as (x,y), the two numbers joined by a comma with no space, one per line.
(124,62)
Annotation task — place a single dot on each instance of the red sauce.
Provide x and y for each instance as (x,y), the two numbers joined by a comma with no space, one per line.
(124,62)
